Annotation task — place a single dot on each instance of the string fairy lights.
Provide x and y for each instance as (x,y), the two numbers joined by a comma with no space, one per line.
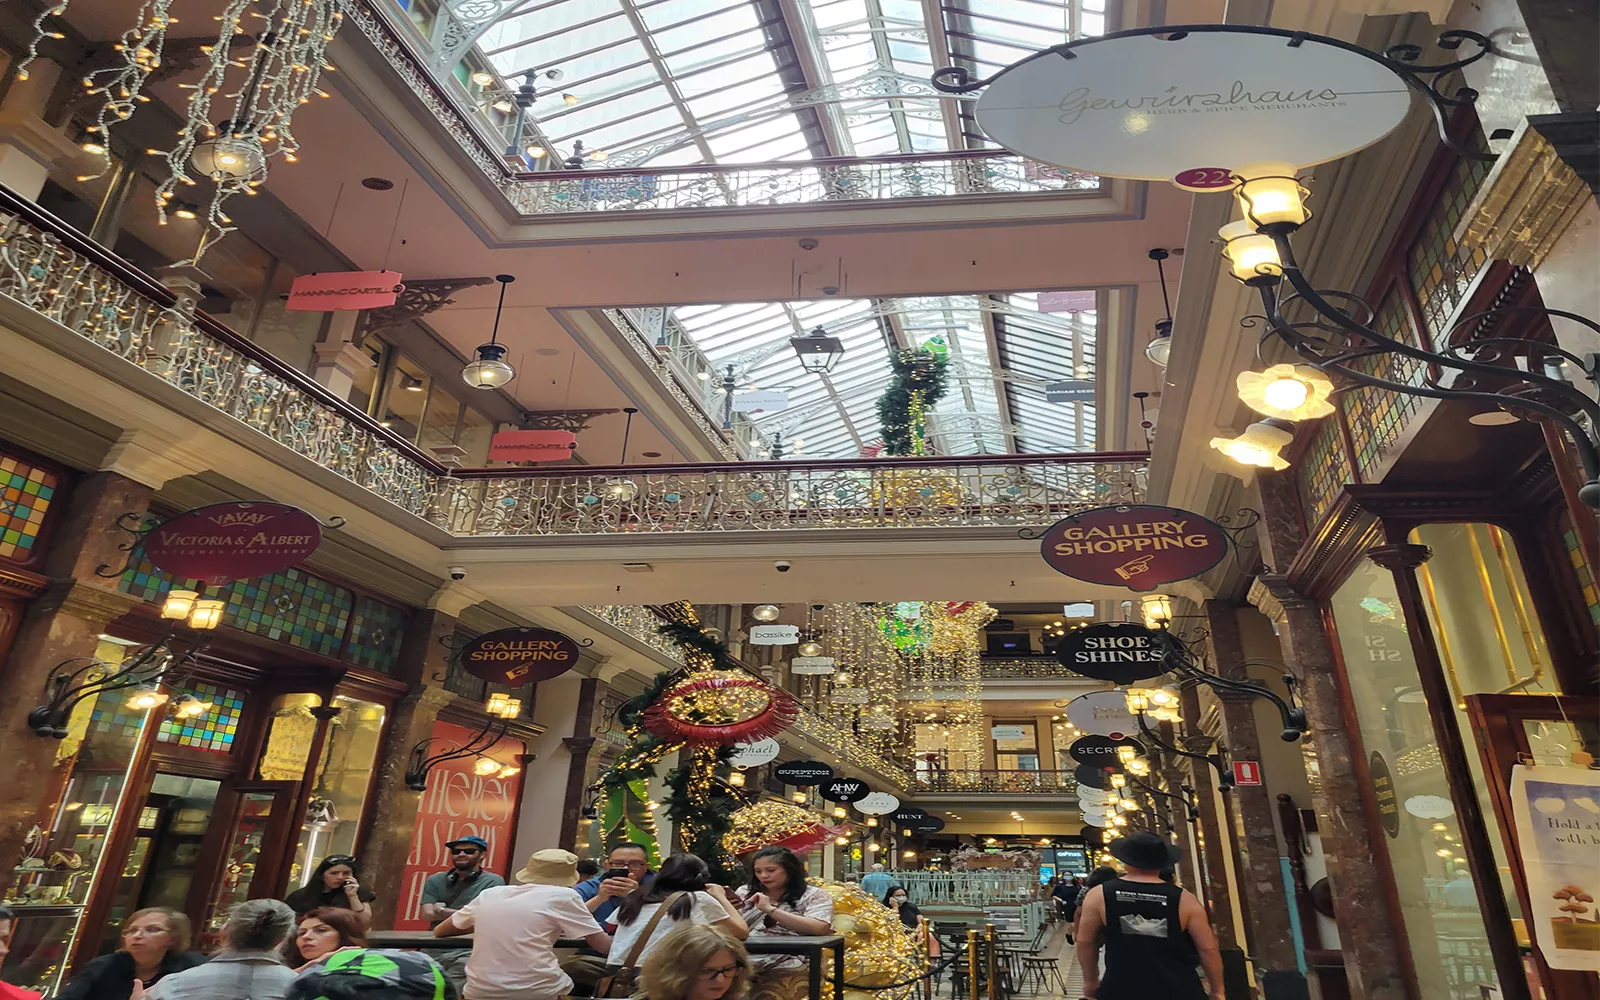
(140,49)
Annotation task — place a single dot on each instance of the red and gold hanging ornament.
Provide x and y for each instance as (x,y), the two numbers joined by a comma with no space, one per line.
(771,823)
(720,706)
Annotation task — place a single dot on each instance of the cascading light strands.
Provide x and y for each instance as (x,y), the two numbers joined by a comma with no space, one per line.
(281,72)
(945,680)
(140,49)
(865,689)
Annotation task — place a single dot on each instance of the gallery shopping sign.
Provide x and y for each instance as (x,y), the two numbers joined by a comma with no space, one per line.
(1138,546)
(518,656)
(1191,104)
(224,542)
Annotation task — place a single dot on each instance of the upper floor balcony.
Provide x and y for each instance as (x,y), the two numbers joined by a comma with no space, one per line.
(930,783)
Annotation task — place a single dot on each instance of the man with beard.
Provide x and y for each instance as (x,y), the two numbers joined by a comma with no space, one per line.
(444,893)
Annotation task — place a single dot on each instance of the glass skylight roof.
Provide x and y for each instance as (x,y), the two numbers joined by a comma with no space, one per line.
(669,82)
(836,417)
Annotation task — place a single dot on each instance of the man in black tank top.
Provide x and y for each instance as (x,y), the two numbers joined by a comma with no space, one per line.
(1155,934)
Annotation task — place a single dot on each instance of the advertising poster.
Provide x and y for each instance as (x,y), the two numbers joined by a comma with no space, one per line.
(1557,815)
(459,803)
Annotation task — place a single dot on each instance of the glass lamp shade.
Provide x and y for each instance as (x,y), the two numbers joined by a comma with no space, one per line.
(145,697)
(178,604)
(736,779)
(809,648)
(229,155)
(765,613)
(486,766)
(496,705)
(1260,444)
(1160,349)
(1250,254)
(1138,700)
(489,370)
(207,614)
(1288,392)
(1268,193)
(818,352)
(1155,608)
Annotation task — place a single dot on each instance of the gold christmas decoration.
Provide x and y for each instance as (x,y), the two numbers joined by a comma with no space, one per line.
(770,823)
(879,950)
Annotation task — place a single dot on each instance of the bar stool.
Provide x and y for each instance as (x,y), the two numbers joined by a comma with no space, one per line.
(1046,972)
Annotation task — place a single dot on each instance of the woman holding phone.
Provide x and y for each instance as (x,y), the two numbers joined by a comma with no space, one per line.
(334,884)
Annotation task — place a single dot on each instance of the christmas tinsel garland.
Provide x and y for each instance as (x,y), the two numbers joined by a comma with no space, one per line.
(920,380)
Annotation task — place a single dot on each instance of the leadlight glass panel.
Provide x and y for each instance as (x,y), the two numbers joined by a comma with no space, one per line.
(25,495)
(1323,470)
(1439,268)
(295,607)
(1377,417)
(216,729)
(1580,566)
(375,634)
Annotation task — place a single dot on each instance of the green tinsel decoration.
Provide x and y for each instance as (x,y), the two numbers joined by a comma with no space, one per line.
(690,637)
(710,816)
(917,373)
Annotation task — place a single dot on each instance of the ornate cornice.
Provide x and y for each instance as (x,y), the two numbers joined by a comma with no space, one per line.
(421,297)
(95,605)
(1533,192)
(22,585)
(1338,542)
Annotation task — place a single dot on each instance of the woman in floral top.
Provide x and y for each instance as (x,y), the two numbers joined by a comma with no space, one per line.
(779,902)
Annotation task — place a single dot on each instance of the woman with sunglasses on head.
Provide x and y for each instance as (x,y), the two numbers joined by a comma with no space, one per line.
(696,962)
(334,883)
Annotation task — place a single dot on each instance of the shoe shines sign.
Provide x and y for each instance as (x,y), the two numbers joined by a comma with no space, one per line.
(224,542)
(1138,546)
(518,656)
(1192,104)
(1119,652)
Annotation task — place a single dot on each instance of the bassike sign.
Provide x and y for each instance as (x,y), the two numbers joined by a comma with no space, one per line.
(1156,106)
(225,542)
(1119,652)
(517,656)
(1138,546)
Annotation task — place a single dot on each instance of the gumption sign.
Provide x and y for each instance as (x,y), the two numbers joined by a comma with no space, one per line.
(1139,546)
(518,656)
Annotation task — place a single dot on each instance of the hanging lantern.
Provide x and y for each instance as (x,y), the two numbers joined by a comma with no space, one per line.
(720,706)
(765,612)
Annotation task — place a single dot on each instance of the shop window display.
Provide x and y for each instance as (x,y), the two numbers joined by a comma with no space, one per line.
(339,790)
(1421,834)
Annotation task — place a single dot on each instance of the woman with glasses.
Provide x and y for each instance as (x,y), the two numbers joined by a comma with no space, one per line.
(696,962)
(334,884)
(155,944)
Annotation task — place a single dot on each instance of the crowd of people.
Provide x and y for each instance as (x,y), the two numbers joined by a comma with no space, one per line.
(667,934)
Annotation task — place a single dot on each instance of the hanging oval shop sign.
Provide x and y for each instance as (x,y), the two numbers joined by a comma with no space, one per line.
(518,656)
(1092,776)
(755,754)
(878,804)
(803,773)
(1195,101)
(1119,652)
(1138,546)
(905,815)
(927,824)
(224,542)
(1102,713)
(1101,751)
(844,790)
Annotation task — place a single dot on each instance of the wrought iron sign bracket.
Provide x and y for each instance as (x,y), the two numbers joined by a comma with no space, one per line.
(477,745)
(1218,760)
(78,679)
(135,524)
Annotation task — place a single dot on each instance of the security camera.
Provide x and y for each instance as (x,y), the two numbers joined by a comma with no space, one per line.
(458,572)
(782,565)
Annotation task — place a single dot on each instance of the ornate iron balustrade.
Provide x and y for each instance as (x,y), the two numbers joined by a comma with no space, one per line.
(975,491)
(992,780)
(804,182)
(631,324)
(1035,668)
(51,269)
(639,623)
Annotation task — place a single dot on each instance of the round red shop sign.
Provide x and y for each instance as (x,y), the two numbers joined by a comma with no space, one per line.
(1137,546)
(518,656)
(232,541)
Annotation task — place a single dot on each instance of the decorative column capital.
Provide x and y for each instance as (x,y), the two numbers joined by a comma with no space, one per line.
(577,745)
(1532,193)
(1197,743)
(96,605)
(429,698)
(326,712)
(1400,555)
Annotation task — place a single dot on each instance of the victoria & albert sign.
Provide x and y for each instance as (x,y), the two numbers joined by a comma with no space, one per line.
(1138,546)
(224,542)
(1190,103)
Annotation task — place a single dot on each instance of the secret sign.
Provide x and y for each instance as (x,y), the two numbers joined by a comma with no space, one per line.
(517,656)
(1119,652)
(1138,546)
(225,542)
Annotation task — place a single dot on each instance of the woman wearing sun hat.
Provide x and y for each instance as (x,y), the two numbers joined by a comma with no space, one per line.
(515,928)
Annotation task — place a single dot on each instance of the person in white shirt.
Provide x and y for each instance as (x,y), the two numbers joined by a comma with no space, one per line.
(515,929)
(683,879)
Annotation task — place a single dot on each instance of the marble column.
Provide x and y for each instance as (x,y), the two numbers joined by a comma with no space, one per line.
(63,624)
(1371,936)
(1183,832)
(422,659)
(578,746)
(1218,891)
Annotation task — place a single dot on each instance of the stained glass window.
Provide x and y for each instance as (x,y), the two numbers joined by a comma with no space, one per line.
(1580,566)
(1377,417)
(215,730)
(1323,471)
(375,634)
(1439,268)
(294,607)
(25,494)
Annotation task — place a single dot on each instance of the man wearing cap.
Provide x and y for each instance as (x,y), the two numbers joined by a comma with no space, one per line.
(1154,933)
(515,928)
(443,893)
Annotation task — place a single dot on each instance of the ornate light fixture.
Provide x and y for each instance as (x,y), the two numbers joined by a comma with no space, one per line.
(1288,392)
(500,708)
(489,369)
(79,679)
(818,352)
(1260,445)
(765,612)
(1160,349)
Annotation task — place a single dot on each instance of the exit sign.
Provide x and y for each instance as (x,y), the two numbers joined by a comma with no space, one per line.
(1246,772)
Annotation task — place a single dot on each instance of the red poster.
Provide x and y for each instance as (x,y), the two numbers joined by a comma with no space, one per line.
(459,802)
(329,290)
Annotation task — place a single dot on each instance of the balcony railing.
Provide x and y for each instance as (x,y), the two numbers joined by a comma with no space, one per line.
(802,182)
(991,780)
(1031,668)
(975,491)
(847,747)
(50,268)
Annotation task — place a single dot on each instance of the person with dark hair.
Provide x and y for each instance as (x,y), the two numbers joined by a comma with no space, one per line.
(898,900)
(247,967)
(778,901)
(320,933)
(1155,934)
(334,883)
(7,991)
(629,868)
(684,880)
(588,868)
(155,944)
